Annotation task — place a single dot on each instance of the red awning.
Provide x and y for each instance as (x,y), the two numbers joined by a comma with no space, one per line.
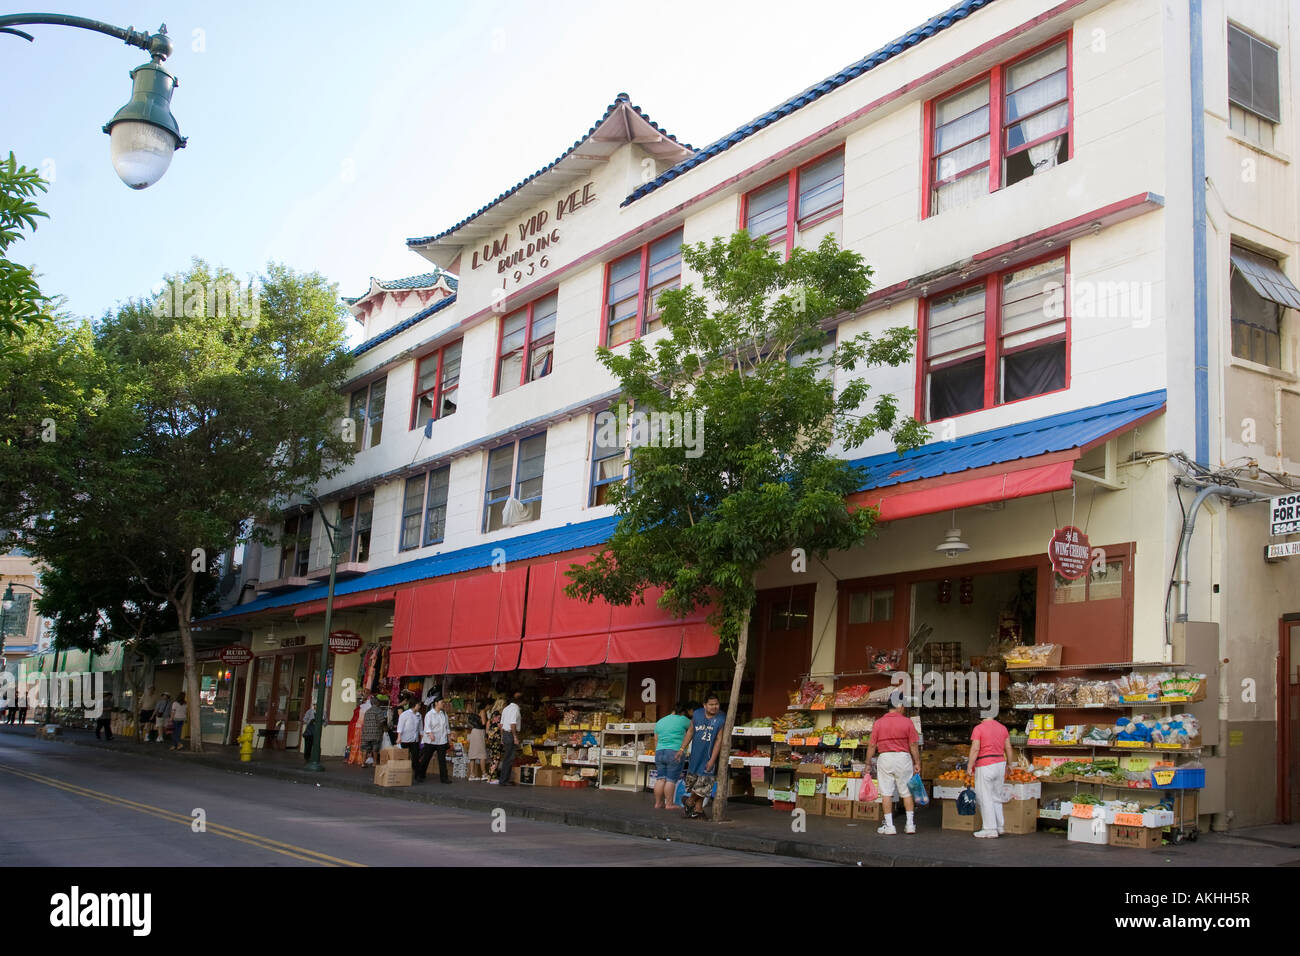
(360,599)
(981,486)
(561,631)
(467,625)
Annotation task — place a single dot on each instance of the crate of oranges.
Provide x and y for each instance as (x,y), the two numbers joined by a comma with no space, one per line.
(955,778)
(1020,775)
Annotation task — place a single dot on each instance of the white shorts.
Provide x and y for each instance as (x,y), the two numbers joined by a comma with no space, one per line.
(895,770)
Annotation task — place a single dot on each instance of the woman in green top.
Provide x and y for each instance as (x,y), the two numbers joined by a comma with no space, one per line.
(670,733)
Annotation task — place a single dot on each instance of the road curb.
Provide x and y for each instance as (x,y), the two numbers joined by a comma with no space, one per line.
(718,837)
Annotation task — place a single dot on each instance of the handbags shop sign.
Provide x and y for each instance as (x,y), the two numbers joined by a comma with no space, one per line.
(345,642)
(515,253)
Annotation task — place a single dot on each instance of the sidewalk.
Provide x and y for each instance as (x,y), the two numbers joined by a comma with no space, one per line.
(752,828)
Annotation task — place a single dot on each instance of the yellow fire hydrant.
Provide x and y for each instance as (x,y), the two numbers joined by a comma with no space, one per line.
(246,744)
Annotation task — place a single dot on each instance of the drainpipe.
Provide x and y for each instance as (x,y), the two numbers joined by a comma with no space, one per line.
(1200,282)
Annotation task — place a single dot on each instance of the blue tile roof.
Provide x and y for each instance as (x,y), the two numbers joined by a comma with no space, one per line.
(890,50)
(405,324)
(1071,429)
(422,281)
(473,558)
(621,98)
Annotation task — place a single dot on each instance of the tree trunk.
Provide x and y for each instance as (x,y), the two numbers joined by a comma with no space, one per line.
(733,703)
(136,681)
(184,605)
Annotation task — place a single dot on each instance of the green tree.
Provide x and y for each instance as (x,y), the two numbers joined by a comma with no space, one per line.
(221,404)
(699,526)
(21,302)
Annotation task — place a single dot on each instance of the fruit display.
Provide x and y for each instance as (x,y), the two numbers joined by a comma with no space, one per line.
(1019,775)
(956,778)
(760,722)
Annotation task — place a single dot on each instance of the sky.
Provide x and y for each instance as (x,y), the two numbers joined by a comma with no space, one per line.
(323,135)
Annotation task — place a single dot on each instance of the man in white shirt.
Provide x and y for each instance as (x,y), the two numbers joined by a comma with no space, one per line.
(308,731)
(511,724)
(408,733)
(437,730)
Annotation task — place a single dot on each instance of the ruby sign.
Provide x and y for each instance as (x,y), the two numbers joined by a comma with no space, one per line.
(1069,552)
(236,654)
(345,642)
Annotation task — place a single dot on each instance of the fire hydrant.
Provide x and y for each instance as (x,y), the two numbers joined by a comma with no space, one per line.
(246,744)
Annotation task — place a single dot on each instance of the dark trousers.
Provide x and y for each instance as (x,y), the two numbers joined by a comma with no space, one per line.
(307,741)
(106,725)
(507,758)
(426,754)
(413,748)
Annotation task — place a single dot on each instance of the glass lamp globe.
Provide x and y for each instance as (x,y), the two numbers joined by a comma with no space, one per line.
(141,152)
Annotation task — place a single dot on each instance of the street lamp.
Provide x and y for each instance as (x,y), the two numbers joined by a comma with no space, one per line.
(143,134)
(314,763)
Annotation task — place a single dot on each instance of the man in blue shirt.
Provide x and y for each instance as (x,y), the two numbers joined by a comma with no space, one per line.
(705,738)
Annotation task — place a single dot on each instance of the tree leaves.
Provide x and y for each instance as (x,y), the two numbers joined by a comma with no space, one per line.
(22,304)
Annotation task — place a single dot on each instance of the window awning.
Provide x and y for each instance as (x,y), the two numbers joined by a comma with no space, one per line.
(468,625)
(561,631)
(341,602)
(1266,279)
(1015,461)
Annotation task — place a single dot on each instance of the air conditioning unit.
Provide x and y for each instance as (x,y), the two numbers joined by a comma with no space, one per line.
(515,512)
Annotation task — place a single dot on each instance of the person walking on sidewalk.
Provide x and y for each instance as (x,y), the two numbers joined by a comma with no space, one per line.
(308,731)
(477,744)
(990,754)
(511,724)
(148,701)
(704,737)
(895,739)
(177,714)
(437,729)
(162,717)
(373,725)
(409,723)
(104,722)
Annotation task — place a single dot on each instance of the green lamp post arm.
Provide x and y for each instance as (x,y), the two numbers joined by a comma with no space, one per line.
(158,45)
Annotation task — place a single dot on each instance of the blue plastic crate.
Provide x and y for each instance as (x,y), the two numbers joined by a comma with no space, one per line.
(1185,778)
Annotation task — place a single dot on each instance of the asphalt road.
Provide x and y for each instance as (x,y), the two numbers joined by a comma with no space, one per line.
(70,805)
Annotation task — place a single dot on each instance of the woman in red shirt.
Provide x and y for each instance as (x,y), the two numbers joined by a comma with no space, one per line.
(990,752)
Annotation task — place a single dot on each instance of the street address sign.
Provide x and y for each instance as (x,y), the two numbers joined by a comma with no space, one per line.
(1287,550)
(1284,514)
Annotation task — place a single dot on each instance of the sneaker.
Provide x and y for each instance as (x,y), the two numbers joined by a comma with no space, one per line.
(887,829)
(910,828)
(494,782)
(987,834)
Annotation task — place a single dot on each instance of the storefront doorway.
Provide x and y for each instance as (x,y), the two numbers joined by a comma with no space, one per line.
(281,684)
(782,645)
(1288,721)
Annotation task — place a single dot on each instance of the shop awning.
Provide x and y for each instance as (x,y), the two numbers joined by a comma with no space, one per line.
(468,625)
(1266,279)
(344,601)
(1015,461)
(561,631)
(109,661)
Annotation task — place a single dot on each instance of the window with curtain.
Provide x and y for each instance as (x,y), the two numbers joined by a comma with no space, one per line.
(412,513)
(295,546)
(435,506)
(1026,342)
(1254,91)
(608,458)
(971,154)
(527,344)
(437,384)
(818,191)
(633,285)
(361,534)
(367,410)
(514,471)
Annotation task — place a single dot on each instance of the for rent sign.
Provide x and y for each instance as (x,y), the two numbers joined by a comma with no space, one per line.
(1284,515)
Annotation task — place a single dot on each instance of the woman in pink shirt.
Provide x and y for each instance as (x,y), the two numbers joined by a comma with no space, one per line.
(990,752)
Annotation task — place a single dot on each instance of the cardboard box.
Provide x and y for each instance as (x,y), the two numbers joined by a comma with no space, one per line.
(547,777)
(952,820)
(843,809)
(1139,838)
(868,810)
(395,755)
(815,805)
(1088,830)
(1020,816)
(393,774)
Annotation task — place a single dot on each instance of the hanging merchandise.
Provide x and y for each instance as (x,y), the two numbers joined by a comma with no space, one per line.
(944,594)
(967,591)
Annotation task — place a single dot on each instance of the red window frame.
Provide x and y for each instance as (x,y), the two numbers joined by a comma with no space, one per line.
(642,315)
(997,152)
(792,221)
(528,346)
(438,389)
(993,350)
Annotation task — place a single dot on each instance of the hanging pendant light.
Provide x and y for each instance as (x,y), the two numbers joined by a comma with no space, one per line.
(952,544)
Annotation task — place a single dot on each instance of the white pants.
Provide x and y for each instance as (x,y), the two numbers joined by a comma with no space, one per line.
(894,770)
(988,793)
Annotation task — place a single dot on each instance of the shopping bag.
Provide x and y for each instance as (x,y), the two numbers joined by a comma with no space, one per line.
(917,789)
(966,803)
(868,792)
(1006,794)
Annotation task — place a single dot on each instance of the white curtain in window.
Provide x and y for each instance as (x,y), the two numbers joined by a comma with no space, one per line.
(1036,83)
